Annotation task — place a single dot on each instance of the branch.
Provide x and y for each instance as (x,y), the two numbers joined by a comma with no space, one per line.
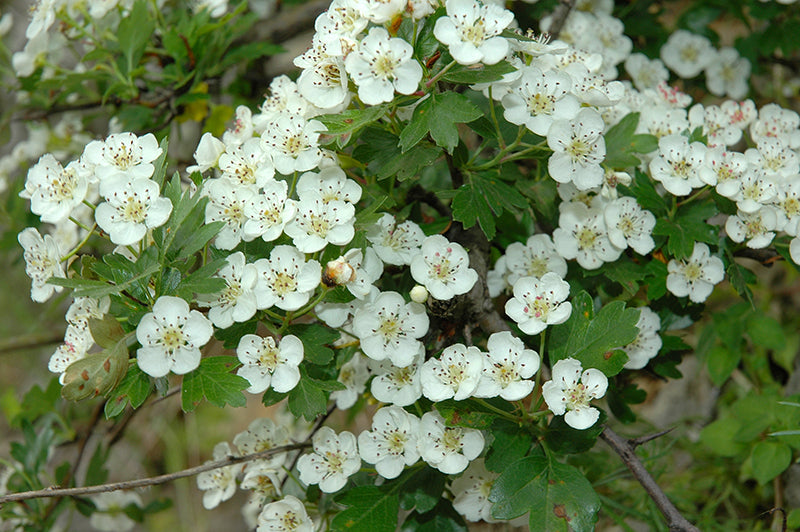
(625,450)
(150,481)
(560,17)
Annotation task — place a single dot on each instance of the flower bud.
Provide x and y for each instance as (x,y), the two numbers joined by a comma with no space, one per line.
(338,272)
(419,294)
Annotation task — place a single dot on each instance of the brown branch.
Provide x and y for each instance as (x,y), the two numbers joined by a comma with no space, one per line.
(560,17)
(20,343)
(626,452)
(150,481)
(636,442)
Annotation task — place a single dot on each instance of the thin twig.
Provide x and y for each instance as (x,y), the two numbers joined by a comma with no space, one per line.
(625,450)
(560,17)
(150,481)
(314,430)
(636,442)
(20,343)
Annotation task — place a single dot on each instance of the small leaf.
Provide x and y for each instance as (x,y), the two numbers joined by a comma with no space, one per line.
(480,73)
(306,399)
(370,509)
(770,459)
(352,120)
(133,389)
(214,380)
(95,375)
(106,331)
(438,115)
(316,340)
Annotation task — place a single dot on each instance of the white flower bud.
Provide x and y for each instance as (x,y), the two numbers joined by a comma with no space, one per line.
(419,294)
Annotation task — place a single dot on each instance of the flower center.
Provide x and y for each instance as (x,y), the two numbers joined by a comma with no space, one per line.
(540,104)
(231,293)
(474,34)
(290,521)
(268,358)
(577,396)
(172,338)
(586,238)
(335,462)
(134,210)
(283,284)
(451,439)
(383,67)
(319,225)
(537,267)
(294,144)
(693,271)
(396,442)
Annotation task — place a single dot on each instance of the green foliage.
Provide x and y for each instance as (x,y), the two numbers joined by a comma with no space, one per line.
(213,381)
(438,115)
(622,142)
(482,199)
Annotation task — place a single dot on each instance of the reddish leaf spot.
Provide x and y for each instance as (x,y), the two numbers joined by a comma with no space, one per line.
(85,375)
(107,365)
(560,511)
(348,120)
(608,354)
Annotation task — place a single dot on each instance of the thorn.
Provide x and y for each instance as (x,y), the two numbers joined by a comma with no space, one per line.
(636,442)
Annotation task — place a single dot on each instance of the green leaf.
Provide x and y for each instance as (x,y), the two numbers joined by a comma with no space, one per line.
(316,340)
(643,189)
(770,459)
(688,227)
(510,443)
(480,73)
(160,164)
(465,414)
(564,439)
(482,200)
(423,491)
(38,402)
(106,331)
(717,436)
(558,496)
(213,380)
(135,275)
(95,375)
(622,142)
(133,389)
(352,120)
(765,331)
(370,509)
(595,340)
(721,362)
(306,399)
(438,115)
(134,33)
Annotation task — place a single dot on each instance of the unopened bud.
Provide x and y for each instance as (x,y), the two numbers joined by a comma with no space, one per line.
(419,294)
(338,272)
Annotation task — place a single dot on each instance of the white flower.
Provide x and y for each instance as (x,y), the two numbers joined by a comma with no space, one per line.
(132,207)
(788,206)
(284,100)
(264,363)
(538,98)
(356,270)
(109,514)
(219,484)
(42,261)
(380,11)
(454,375)
(774,157)
(578,149)
(382,65)
(354,375)
(83,309)
(472,491)
(43,14)
(776,122)
(582,235)
(687,54)
(506,367)
(538,303)
(55,191)
(247,164)
(630,225)
(339,27)
(334,459)
(758,227)
(171,337)
(678,163)
(533,259)
(124,155)
(286,280)
(395,244)
(571,391)
(396,385)
(472,30)
(261,435)
(392,443)
(443,267)
(724,170)
(323,81)
(794,250)
(645,73)
(285,515)
(226,203)
(448,449)
(331,184)
(293,143)
(728,73)
(207,154)
(696,276)
(242,130)
(268,212)
(317,223)
(647,342)
(77,342)
(390,328)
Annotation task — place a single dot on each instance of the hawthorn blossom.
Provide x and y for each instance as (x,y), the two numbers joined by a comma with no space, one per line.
(774,157)
(678,163)
(287,514)
(286,280)
(293,143)
(728,73)
(533,259)
(339,27)
(132,207)
(538,303)
(262,434)
(207,154)
(109,513)
(629,225)
(757,228)
(266,363)
(756,189)
(42,262)
(381,11)
(687,54)
(724,170)
(645,73)
(356,270)
(323,80)
(171,337)
(395,244)
(55,191)
(571,391)
(539,98)
(226,203)
(776,122)
(472,491)
(246,164)
(317,223)
(392,443)
(578,149)
(390,328)
(382,65)
(268,212)
(471,31)
(395,385)
(219,484)
(124,155)
(582,234)
(443,267)
(695,276)
(331,183)
(448,449)
(334,459)
(354,374)
(284,100)
(454,375)
(242,130)
(787,206)
(647,343)
(507,366)
(77,342)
